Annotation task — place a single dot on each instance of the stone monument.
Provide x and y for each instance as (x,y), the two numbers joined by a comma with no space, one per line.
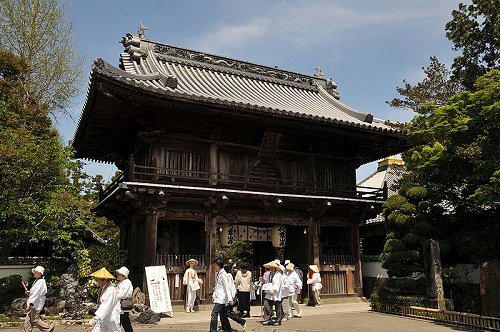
(433,272)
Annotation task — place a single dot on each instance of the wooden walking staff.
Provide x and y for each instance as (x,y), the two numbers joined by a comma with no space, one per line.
(26,292)
(261,303)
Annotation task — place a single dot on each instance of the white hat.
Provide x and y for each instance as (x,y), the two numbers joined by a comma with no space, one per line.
(123,271)
(38,269)
(192,260)
(272,264)
(287,261)
(277,261)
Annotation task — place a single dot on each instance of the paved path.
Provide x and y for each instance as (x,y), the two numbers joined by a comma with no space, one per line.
(330,317)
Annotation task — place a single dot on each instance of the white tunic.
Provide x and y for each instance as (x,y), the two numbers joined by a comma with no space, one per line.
(315,281)
(222,292)
(108,318)
(276,287)
(295,282)
(124,290)
(37,294)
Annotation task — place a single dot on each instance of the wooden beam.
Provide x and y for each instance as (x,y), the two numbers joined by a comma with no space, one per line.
(151,228)
(214,163)
(358,282)
(210,247)
(313,232)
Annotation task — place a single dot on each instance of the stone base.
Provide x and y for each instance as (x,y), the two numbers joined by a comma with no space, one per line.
(433,303)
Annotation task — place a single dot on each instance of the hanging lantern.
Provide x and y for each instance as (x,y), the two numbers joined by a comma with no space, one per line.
(226,235)
(278,236)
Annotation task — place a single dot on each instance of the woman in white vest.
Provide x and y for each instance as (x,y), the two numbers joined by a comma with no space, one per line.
(124,290)
(36,301)
(106,316)
(192,283)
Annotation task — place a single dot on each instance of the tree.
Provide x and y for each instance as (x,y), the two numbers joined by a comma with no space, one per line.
(437,87)
(39,207)
(455,158)
(475,31)
(38,32)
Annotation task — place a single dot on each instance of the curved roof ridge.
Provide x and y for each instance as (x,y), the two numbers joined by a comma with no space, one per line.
(165,79)
(139,47)
(365,117)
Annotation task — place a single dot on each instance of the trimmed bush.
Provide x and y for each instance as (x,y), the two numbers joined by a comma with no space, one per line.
(10,288)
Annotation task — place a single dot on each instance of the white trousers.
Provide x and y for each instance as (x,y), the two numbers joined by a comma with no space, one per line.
(295,305)
(191,298)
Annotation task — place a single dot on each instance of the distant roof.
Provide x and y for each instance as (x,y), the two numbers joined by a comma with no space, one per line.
(389,170)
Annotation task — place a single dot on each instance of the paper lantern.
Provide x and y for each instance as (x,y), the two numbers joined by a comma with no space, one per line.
(226,235)
(278,236)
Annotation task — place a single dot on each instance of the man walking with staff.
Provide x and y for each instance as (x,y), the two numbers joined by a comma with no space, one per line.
(36,301)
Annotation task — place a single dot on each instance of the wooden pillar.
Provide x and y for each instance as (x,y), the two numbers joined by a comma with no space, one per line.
(151,228)
(150,241)
(313,236)
(356,256)
(210,247)
(312,167)
(214,163)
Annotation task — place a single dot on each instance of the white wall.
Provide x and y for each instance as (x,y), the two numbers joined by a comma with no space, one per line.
(373,269)
(23,270)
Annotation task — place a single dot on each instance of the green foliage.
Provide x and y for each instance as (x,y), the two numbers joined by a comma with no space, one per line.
(401,255)
(238,251)
(10,288)
(45,197)
(84,263)
(97,256)
(417,193)
(437,87)
(452,190)
(411,239)
(475,30)
(382,296)
(394,202)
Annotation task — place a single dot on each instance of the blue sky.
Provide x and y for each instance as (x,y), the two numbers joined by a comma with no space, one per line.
(367,47)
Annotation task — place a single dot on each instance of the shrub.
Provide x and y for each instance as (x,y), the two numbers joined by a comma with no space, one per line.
(10,288)
(97,256)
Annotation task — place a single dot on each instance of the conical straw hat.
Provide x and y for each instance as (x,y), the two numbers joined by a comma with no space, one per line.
(314,268)
(102,274)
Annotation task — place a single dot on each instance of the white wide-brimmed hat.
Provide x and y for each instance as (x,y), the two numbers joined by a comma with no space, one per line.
(191,260)
(287,261)
(272,264)
(38,269)
(123,271)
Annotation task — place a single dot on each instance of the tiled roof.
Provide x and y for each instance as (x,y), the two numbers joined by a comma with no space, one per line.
(191,75)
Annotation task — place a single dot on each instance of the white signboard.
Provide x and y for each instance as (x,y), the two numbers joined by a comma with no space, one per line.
(159,294)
